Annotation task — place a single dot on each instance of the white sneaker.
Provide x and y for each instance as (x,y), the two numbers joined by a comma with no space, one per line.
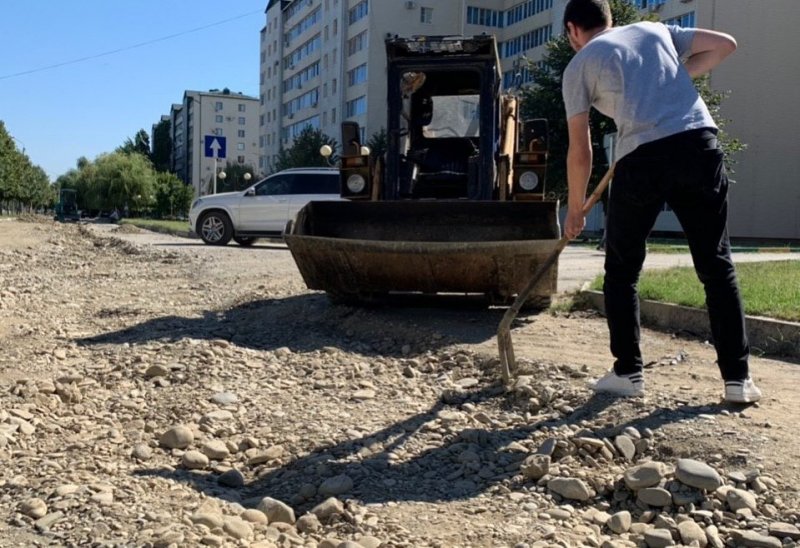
(620,385)
(744,391)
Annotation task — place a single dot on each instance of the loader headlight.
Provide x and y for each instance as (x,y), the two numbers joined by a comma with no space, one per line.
(356,183)
(528,180)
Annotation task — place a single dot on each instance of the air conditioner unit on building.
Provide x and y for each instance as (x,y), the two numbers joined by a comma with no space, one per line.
(410,5)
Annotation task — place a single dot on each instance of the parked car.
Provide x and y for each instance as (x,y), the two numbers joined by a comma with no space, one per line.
(263,209)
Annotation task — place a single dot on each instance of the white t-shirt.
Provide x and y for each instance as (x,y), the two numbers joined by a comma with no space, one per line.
(634,75)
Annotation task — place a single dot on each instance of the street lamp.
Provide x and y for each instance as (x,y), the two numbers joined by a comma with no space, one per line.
(222,176)
(247,178)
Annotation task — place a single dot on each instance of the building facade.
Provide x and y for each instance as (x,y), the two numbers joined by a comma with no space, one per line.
(233,117)
(323,61)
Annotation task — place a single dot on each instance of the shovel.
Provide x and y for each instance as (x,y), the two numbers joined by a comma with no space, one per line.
(508,363)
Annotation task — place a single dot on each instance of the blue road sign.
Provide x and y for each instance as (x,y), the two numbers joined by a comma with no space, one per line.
(214,146)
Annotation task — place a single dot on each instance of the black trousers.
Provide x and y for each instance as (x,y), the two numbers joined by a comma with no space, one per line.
(687,172)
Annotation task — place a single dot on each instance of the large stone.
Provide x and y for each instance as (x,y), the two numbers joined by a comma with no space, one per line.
(784,530)
(276,510)
(337,485)
(754,539)
(535,466)
(691,532)
(212,520)
(327,508)
(570,488)
(231,478)
(739,498)
(215,449)
(658,538)
(655,496)
(625,446)
(33,508)
(178,437)
(194,460)
(645,475)
(237,528)
(620,522)
(697,474)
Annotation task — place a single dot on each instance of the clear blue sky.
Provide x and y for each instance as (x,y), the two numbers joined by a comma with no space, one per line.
(87,107)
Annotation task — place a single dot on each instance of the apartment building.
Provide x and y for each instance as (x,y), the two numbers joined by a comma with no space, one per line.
(230,117)
(323,61)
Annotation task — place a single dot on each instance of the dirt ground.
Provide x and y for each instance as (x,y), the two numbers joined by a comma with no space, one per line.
(111,338)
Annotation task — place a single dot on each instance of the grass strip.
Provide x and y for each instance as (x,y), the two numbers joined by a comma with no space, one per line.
(770,288)
(159,224)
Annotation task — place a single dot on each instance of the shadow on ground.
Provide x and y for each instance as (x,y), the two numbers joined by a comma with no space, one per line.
(310,322)
(436,473)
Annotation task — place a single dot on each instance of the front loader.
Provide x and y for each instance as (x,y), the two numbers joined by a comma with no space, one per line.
(456,205)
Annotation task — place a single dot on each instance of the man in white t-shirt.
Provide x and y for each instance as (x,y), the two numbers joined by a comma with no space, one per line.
(640,75)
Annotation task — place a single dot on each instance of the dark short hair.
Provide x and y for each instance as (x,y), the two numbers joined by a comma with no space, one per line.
(587,14)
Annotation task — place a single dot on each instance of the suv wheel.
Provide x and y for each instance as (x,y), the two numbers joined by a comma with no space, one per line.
(215,228)
(244,241)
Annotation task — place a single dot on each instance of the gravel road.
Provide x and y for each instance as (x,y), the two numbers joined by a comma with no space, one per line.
(158,392)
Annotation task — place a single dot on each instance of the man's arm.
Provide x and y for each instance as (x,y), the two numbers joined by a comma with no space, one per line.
(579,168)
(709,48)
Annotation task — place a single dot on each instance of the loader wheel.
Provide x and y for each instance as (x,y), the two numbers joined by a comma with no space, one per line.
(215,228)
(244,241)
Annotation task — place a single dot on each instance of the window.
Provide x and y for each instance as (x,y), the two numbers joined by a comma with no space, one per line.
(357,76)
(357,43)
(356,107)
(685,20)
(453,116)
(242,120)
(239,146)
(315,184)
(359,11)
(217,131)
(240,134)
(426,15)
(240,159)
(218,106)
(242,107)
(333,116)
(218,118)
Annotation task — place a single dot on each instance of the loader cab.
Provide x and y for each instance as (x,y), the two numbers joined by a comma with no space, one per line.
(443,109)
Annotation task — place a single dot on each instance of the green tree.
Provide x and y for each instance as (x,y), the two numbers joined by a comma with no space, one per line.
(378,143)
(139,144)
(172,196)
(544,100)
(23,185)
(237,177)
(304,152)
(81,179)
(162,145)
(123,181)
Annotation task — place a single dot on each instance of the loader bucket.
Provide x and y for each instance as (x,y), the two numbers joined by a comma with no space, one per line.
(362,250)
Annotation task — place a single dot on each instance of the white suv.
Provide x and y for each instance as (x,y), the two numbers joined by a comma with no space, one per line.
(264,208)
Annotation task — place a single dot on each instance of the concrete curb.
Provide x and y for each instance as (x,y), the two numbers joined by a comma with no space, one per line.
(767,336)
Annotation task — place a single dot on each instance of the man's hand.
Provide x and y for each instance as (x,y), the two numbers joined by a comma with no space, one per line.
(574,223)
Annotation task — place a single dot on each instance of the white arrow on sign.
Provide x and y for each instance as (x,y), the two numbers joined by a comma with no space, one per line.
(215,148)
